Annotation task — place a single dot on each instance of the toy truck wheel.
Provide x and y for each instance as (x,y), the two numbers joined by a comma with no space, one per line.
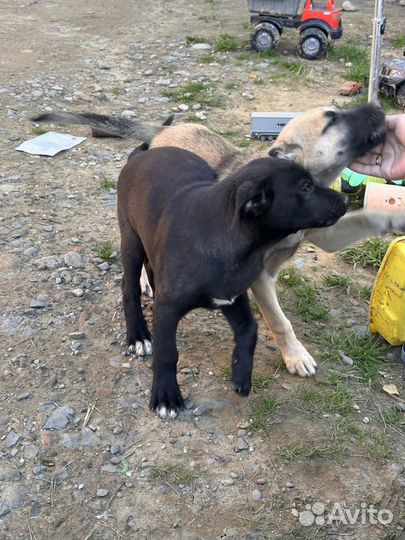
(265,36)
(262,138)
(312,43)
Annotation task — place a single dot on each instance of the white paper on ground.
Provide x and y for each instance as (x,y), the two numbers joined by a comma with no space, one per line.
(50,143)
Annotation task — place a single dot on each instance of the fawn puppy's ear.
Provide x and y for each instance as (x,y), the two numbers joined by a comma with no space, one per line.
(283,150)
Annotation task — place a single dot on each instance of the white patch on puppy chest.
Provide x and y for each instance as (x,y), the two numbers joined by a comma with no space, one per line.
(218,302)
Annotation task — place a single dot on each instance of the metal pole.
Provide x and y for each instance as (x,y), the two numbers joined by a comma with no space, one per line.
(378,31)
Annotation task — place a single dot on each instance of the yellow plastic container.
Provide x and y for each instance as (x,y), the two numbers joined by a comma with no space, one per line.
(387,305)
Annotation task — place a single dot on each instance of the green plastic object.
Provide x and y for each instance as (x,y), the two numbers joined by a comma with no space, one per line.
(355,179)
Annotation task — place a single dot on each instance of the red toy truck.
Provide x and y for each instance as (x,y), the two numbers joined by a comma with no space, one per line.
(318,22)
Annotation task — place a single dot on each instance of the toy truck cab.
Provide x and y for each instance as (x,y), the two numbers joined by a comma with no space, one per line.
(318,22)
(267,125)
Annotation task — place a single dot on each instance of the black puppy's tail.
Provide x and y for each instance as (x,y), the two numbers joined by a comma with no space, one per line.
(107,126)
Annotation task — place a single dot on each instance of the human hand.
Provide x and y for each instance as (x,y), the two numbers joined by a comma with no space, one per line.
(388,159)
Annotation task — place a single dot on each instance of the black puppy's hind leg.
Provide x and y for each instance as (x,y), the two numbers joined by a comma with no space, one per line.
(244,328)
(133,255)
(166,399)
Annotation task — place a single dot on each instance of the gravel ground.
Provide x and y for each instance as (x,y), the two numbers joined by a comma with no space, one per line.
(82,456)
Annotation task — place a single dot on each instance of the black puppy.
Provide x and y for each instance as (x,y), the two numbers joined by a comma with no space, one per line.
(202,242)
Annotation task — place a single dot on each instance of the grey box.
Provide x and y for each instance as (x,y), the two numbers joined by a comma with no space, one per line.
(267,125)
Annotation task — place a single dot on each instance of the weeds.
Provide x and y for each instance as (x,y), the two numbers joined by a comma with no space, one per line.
(308,305)
(341,282)
(394,418)
(206,59)
(261,415)
(191,40)
(399,41)
(192,92)
(39,131)
(351,53)
(106,184)
(320,400)
(225,43)
(367,352)
(105,251)
(174,475)
(369,253)
(294,67)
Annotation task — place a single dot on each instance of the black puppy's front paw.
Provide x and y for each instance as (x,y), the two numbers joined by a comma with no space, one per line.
(166,399)
(241,378)
(139,342)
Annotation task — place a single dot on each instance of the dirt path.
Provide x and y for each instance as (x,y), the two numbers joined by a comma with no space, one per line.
(82,456)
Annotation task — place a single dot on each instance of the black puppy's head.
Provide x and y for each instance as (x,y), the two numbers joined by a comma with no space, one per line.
(280,196)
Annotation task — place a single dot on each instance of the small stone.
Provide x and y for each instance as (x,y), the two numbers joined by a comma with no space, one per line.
(202,47)
(242,445)
(115,449)
(295,512)
(60,418)
(242,433)
(234,475)
(261,481)
(290,485)
(366,420)
(104,266)
(102,492)
(200,410)
(61,475)
(128,114)
(346,360)
(248,95)
(227,482)
(183,107)
(24,395)
(400,407)
(115,460)
(72,258)
(256,495)
(4,510)
(11,439)
(201,115)
(37,304)
(77,292)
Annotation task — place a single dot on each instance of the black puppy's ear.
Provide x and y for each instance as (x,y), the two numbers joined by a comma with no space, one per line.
(252,201)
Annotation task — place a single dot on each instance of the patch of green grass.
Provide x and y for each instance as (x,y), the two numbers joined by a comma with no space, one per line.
(378,447)
(262,415)
(292,66)
(365,292)
(174,475)
(349,52)
(192,117)
(394,418)
(399,41)
(289,454)
(369,253)
(324,450)
(38,131)
(193,92)
(258,81)
(107,184)
(232,85)
(191,40)
(359,72)
(260,381)
(225,43)
(331,400)
(357,56)
(204,18)
(308,306)
(105,251)
(367,352)
(342,282)
(206,58)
